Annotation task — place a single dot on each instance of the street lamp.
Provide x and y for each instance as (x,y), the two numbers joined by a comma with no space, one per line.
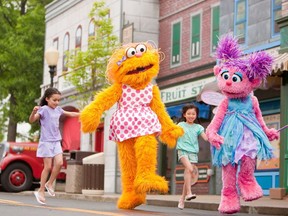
(51,56)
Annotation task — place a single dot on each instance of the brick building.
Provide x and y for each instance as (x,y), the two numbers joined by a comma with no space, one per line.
(188,36)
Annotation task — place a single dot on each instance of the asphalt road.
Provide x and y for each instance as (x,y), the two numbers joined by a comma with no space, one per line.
(17,205)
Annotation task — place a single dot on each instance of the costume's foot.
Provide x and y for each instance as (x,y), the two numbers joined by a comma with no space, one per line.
(190,197)
(151,182)
(229,203)
(249,188)
(251,192)
(181,204)
(40,199)
(50,190)
(131,200)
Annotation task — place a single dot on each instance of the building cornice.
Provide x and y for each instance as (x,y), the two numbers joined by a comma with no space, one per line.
(58,7)
(180,10)
(186,72)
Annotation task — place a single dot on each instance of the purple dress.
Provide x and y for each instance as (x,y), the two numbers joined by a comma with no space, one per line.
(50,137)
(242,134)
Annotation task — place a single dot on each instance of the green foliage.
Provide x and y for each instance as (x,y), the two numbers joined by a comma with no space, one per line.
(88,67)
(22,27)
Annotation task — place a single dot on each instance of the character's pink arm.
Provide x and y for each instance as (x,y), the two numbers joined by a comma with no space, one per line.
(213,137)
(271,133)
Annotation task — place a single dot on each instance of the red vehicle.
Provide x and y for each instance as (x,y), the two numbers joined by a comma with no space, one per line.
(19,166)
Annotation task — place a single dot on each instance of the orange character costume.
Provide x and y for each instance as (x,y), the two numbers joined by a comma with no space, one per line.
(139,118)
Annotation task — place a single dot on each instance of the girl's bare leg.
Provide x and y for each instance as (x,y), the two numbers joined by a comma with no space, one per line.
(57,164)
(187,176)
(44,175)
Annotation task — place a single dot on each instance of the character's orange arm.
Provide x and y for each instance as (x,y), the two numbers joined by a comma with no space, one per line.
(159,108)
(170,131)
(91,114)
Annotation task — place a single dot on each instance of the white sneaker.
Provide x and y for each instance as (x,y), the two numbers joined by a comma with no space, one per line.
(181,204)
(190,197)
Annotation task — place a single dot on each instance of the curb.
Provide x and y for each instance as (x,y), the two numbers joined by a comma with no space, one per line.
(213,205)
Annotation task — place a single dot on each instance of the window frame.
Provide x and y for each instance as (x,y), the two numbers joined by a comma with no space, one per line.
(212,49)
(241,21)
(273,9)
(64,67)
(199,35)
(179,42)
(78,43)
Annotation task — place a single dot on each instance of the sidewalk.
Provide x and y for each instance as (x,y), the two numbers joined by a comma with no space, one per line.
(264,205)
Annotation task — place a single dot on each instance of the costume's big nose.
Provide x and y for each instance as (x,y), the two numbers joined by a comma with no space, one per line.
(138,54)
(228,82)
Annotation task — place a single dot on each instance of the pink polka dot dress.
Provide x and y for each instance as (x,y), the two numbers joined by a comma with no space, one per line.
(134,117)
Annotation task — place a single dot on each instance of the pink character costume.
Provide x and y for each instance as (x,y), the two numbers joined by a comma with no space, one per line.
(134,117)
(238,132)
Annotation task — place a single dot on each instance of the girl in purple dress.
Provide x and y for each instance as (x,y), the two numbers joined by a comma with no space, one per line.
(49,147)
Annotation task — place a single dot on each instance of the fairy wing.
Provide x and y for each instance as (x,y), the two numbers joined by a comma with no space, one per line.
(211,94)
(212,97)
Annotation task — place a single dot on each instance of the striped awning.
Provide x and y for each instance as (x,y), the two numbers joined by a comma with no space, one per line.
(280,64)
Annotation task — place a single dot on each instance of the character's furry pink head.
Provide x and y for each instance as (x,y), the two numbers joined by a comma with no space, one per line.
(238,76)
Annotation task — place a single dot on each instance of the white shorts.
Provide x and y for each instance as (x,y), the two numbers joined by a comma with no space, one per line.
(192,157)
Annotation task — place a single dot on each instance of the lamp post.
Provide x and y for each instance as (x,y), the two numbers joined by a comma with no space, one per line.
(51,56)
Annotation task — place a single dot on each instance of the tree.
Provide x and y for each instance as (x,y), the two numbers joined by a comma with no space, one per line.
(22,27)
(87,68)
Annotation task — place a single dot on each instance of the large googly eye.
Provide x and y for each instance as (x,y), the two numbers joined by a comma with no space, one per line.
(130,52)
(141,48)
(236,78)
(225,75)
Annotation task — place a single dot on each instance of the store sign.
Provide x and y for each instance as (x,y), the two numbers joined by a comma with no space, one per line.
(184,91)
(127,34)
(272,121)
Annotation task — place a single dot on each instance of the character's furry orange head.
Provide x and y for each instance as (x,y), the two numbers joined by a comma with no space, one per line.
(134,64)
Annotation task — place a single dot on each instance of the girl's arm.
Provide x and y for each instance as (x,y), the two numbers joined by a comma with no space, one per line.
(204,136)
(34,116)
(71,114)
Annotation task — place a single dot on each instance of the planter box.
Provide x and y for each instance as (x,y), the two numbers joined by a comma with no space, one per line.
(277,193)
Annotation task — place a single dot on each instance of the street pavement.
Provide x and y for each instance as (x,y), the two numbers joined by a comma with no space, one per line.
(264,205)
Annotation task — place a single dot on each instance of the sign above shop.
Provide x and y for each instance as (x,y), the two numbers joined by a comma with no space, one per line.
(184,91)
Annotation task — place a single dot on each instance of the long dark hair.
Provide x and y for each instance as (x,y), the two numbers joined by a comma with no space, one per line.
(47,94)
(187,107)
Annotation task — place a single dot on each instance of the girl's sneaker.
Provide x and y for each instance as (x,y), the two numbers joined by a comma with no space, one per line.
(181,204)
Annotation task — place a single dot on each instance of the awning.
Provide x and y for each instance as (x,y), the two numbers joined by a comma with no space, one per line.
(176,111)
(280,64)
